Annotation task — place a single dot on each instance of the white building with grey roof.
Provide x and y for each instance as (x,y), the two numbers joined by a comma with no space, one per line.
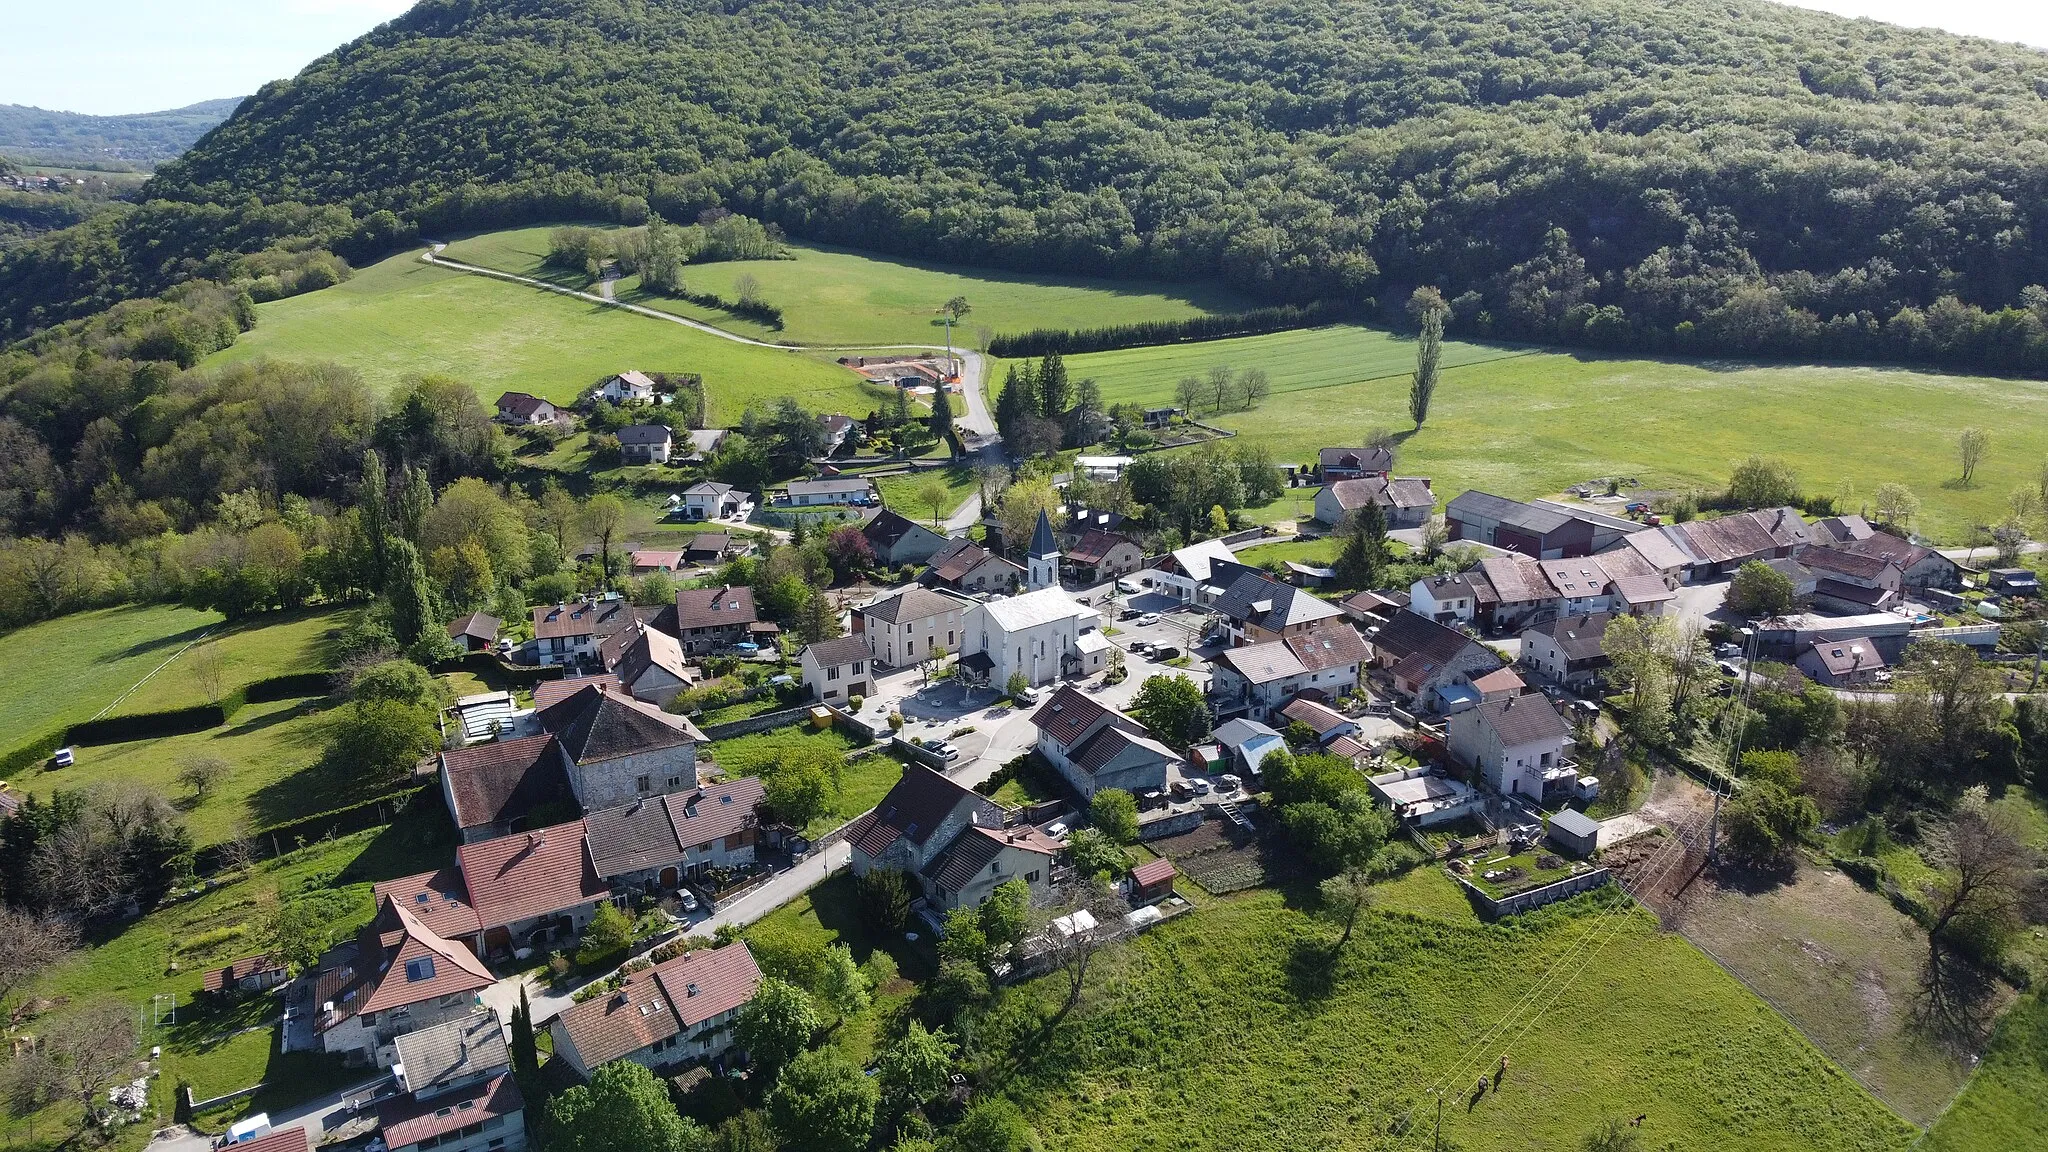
(1042,635)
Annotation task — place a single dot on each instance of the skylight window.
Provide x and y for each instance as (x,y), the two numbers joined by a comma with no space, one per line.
(419,969)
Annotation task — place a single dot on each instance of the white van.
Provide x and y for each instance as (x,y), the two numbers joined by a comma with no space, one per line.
(243,1131)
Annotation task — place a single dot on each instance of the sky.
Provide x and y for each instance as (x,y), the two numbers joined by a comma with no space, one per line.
(108,57)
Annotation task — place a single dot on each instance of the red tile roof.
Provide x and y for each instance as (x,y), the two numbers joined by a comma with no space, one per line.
(1153,872)
(660,1002)
(529,874)
(278,1140)
(437,899)
(702,984)
(555,691)
(408,1120)
(418,965)
(714,607)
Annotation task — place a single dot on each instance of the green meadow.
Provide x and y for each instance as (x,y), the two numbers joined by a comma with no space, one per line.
(402,317)
(833,296)
(1525,423)
(69,669)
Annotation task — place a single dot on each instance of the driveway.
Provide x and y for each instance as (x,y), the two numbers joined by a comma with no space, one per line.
(1701,603)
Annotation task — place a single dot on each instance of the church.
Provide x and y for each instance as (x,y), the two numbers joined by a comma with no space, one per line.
(1042,634)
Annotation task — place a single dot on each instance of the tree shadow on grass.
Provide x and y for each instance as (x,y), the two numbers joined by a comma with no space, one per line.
(306,707)
(420,839)
(1311,969)
(172,643)
(1957,1003)
(322,786)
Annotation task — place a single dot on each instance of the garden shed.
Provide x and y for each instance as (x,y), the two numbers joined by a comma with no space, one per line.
(1575,832)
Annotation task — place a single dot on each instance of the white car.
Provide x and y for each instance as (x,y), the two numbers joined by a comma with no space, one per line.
(1026,695)
(686,899)
(1149,618)
(1201,786)
(1056,829)
(1127,587)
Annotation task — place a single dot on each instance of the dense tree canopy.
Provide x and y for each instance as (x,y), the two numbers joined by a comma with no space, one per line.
(1738,176)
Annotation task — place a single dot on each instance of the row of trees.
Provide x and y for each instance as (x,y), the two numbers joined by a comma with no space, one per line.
(1039,410)
(1222,389)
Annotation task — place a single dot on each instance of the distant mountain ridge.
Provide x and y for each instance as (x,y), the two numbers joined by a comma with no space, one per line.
(1691,176)
(49,137)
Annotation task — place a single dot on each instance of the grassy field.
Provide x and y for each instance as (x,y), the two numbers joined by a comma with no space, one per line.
(2005,1105)
(402,317)
(1205,1034)
(273,756)
(1527,423)
(66,670)
(835,296)
(1844,965)
(901,493)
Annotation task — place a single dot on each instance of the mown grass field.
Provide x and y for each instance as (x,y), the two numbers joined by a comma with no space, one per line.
(273,752)
(402,317)
(1200,1035)
(1529,423)
(837,296)
(66,670)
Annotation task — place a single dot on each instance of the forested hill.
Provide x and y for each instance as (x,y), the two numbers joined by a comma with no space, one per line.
(1645,173)
(55,137)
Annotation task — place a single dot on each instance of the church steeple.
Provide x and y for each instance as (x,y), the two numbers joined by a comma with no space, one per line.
(1042,569)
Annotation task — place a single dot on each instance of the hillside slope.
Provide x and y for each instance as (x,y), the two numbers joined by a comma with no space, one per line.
(1585,170)
(44,136)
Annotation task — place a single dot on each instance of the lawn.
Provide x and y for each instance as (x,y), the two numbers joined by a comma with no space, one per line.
(2005,1105)
(402,317)
(273,755)
(862,783)
(1529,423)
(1844,965)
(65,670)
(833,296)
(750,755)
(1210,1032)
(1321,551)
(903,494)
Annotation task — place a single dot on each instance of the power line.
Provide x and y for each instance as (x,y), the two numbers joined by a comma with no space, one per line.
(1577,949)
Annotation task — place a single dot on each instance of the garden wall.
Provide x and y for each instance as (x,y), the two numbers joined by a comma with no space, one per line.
(1537,897)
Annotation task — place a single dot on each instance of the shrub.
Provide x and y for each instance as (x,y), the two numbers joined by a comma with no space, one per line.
(884,897)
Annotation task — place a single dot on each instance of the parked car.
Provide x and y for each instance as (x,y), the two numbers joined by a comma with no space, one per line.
(1149,619)
(1128,587)
(1141,647)
(1056,829)
(943,750)
(1027,695)
(1201,786)
(1128,614)
(1180,790)
(686,900)
(1586,708)
(1230,782)
(1729,669)
(1165,652)
(64,758)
